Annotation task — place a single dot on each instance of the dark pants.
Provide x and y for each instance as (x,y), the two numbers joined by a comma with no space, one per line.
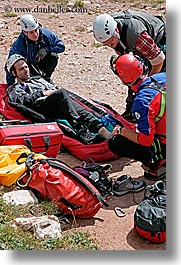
(123,147)
(45,67)
(59,105)
(129,100)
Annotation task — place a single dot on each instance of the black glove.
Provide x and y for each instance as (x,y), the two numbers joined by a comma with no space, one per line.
(42,53)
(112,63)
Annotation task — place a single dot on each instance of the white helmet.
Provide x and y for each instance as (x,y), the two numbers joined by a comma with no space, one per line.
(28,22)
(12,60)
(104,27)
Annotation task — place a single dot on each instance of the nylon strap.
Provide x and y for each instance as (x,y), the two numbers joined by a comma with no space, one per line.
(157,86)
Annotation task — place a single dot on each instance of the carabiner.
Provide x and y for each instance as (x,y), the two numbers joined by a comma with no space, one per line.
(27,182)
(119,212)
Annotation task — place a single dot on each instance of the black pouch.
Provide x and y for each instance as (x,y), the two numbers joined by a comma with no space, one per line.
(150,214)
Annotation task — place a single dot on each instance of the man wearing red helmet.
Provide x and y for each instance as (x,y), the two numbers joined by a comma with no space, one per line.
(133,31)
(148,143)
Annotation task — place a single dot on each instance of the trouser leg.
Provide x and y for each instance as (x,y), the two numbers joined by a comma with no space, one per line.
(128,115)
(87,118)
(129,100)
(125,148)
(163,46)
(48,64)
(150,156)
(58,105)
(35,69)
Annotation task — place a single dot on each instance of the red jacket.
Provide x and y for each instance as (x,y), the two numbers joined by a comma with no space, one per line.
(146,107)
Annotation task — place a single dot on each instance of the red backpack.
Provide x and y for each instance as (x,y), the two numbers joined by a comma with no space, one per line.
(56,181)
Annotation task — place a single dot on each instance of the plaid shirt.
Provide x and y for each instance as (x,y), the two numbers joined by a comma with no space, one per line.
(147,47)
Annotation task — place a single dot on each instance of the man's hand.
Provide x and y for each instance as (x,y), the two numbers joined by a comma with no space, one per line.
(48,92)
(42,53)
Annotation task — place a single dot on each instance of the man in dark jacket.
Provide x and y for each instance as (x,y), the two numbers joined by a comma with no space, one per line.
(137,32)
(39,46)
(53,103)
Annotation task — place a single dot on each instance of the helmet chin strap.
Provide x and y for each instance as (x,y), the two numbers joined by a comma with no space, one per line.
(136,84)
(136,81)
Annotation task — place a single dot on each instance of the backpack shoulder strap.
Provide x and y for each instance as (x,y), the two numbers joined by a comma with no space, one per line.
(157,86)
(127,16)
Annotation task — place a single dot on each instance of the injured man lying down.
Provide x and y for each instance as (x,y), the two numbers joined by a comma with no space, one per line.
(52,102)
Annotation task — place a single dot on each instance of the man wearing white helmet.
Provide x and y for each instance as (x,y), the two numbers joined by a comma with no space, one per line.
(53,103)
(38,45)
(137,32)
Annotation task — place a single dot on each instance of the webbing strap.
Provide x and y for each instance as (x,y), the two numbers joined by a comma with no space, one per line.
(162,107)
(157,86)
(123,29)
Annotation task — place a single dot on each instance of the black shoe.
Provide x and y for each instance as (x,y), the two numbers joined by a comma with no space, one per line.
(128,115)
(85,135)
(158,173)
(126,184)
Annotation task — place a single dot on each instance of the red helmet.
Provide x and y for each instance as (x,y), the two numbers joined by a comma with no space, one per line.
(129,69)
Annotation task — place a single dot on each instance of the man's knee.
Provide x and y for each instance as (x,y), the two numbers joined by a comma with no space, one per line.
(117,144)
(52,58)
(49,63)
(61,93)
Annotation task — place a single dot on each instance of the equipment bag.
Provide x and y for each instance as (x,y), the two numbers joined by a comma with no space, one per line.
(72,193)
(97,175)
(99,150)
(43,138)
(11,165)
(150,214)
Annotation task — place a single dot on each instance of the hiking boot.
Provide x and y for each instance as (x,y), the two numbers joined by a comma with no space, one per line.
(128,115)
(85,135)
(158,173)
(126,184)
(104,133)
